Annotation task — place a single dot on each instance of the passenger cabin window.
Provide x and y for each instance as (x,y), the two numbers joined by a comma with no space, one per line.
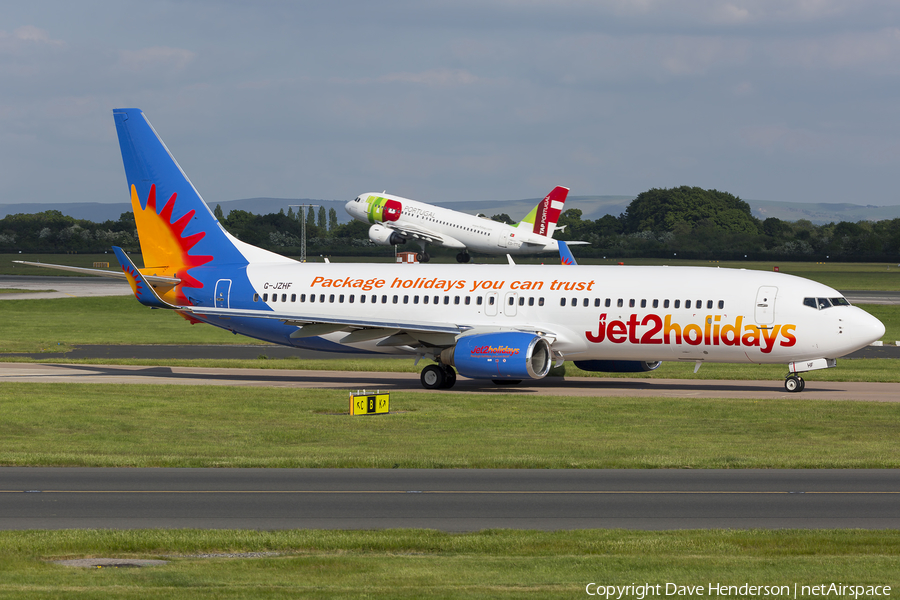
(677,303)
(709,303)
(721,304)
(687,304)
(620,303)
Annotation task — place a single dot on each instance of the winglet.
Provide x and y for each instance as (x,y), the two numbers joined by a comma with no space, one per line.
(143,291)
(565,255)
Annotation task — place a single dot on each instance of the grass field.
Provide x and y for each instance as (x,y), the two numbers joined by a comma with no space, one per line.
(199,426)
(417,564)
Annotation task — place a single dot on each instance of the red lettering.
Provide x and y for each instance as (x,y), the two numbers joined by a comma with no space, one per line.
(669,327)
(632,329)
(616,332)
(693,335)
(601,333)
(648,338)
(769,339)
(731,334)
(788,332)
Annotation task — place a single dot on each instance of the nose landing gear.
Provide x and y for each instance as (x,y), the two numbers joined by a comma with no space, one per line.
(794,383)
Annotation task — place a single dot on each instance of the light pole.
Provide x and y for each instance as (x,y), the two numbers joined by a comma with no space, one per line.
(303,228)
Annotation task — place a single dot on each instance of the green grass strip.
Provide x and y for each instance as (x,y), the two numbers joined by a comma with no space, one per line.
(424,563)
(199,426)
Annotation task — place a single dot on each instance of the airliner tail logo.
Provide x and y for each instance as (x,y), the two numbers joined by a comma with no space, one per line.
(165,248)
(544,217)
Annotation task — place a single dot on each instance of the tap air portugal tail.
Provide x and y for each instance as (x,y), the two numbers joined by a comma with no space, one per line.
(543,218)
(506,323)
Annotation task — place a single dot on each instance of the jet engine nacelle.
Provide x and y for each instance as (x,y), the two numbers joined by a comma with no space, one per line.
(384,236)
(617,366)
(500,355)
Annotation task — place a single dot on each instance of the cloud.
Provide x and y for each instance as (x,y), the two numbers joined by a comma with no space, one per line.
(430,78)
(155,59)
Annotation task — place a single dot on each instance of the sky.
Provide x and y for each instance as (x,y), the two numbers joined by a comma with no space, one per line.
(440,101)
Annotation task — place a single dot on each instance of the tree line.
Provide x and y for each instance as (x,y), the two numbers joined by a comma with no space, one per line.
(687,222)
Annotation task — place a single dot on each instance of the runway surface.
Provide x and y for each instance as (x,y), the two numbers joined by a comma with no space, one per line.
(449,500)
(409,382)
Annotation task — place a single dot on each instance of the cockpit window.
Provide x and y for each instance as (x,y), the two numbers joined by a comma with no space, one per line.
(823,303)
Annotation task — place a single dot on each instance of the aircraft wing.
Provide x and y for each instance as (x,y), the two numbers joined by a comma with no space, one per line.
(151,279)
(420,233)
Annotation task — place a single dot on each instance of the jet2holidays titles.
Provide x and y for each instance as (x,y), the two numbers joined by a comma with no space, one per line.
(648,329)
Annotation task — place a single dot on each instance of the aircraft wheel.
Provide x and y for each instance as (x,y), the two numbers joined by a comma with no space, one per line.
(422,257)
(449,378)
(794,384)
(506,381)
(463,257)
(432,377)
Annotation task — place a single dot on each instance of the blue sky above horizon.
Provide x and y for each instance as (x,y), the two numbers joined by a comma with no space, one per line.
(784,100)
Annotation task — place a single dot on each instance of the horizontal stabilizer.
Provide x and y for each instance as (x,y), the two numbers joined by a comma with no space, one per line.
(142,289)
(151,279)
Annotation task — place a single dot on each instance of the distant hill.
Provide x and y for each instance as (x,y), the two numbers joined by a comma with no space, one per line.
(592,207)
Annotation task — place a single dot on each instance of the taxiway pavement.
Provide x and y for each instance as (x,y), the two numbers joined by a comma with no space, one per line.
(409,382)
(447,499)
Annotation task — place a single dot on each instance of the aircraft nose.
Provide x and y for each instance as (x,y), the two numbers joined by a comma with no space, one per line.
(868,328)
(350,207)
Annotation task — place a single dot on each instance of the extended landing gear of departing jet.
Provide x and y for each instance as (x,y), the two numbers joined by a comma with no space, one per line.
(463,257)
(422,257)
(438,377)
(794,383)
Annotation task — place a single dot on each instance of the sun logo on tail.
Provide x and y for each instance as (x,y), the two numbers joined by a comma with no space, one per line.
(164,247)
(134,280)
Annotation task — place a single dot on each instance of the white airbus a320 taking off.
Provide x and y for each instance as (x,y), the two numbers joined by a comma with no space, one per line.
(501,322)
(396,220)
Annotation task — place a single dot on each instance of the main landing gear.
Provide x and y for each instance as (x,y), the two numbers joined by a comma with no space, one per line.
(794,383)
(438,377)
(422,257)
(463,257)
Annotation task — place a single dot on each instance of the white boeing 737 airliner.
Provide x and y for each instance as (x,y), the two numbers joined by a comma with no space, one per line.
(396,220)
(505,323)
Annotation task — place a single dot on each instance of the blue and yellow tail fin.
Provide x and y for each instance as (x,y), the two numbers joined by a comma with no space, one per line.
(565,255)
(177,230)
